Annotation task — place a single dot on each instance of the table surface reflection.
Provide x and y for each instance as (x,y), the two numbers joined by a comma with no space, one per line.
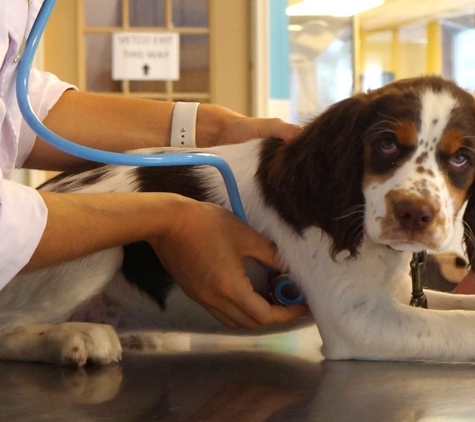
(240,379)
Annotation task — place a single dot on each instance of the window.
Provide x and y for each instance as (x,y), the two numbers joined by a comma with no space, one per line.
(99,20)
(458,52)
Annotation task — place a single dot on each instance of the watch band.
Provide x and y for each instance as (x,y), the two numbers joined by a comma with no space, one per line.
(184,125)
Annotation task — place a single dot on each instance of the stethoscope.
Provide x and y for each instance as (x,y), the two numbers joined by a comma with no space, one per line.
(283,290)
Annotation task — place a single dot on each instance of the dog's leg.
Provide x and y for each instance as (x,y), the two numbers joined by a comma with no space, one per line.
(68,343)
(436,300)
(449,301)
(51,294)
(391,331)
(359,317)
(374,326)
(31,303)
(370,324)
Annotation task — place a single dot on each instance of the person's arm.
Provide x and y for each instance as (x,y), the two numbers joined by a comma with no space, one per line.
(114,123)
(202,246)
(80,224)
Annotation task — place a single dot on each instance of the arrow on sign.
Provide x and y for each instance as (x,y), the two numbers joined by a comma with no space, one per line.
(145,69)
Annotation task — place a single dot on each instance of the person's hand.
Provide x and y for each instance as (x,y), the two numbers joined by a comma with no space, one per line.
(245,128)
(219,126)
(204,252)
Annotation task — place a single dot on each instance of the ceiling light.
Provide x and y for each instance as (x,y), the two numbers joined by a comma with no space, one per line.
(338,8)
(295,28)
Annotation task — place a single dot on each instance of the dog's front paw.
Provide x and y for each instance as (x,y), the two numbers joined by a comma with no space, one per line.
(78,342)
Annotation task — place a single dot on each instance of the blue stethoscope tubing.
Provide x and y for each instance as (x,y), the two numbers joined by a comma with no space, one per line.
(91,154)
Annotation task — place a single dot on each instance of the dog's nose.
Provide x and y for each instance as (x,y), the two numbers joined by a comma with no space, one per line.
(414,216)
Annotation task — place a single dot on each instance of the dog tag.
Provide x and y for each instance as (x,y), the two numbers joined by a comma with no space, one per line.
(418,299)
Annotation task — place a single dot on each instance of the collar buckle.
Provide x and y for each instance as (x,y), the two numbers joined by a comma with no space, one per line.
(418,299)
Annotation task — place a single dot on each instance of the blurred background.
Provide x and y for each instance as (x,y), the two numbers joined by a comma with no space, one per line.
(389,40)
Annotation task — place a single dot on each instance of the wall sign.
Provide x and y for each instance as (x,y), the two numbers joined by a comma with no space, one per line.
(141,56)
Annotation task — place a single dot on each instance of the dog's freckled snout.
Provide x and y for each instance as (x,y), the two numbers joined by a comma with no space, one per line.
(413,216)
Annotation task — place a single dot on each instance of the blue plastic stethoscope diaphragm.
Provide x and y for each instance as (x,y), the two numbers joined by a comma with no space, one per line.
(284,290)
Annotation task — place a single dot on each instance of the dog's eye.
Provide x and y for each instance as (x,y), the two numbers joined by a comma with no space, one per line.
(388,146)
(458,160)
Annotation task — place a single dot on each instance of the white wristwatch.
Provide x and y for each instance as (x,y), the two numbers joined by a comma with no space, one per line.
(184,125)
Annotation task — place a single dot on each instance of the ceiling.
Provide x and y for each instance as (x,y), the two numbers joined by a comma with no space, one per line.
(396,12)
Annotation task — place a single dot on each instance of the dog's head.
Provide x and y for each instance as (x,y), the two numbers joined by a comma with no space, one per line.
(419,163)
(396,163)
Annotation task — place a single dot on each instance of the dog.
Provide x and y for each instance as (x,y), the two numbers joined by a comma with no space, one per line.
(373,179)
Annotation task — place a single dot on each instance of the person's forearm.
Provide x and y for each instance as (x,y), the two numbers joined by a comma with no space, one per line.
(104,122)
(80,224)
(115,123)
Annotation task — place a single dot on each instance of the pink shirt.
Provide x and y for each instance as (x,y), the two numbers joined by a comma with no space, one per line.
(22,211)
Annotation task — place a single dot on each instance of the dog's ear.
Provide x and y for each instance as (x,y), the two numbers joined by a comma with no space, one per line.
(318,178)
(469,227)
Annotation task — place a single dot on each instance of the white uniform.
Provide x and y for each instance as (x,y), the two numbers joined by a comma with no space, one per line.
(22,211)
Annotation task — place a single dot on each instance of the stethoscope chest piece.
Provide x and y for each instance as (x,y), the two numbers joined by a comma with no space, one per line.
(284,291)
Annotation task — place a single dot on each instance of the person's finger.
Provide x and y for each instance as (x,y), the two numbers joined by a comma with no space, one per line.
(256,246)
(252,244)
(266,314)
(277,128)
(225,303)
(233,317)
(288,131)
(223,319)
(250,310)
(240,306)
(251,317)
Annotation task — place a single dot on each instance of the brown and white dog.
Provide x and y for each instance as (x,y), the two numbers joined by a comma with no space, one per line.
(374,178)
